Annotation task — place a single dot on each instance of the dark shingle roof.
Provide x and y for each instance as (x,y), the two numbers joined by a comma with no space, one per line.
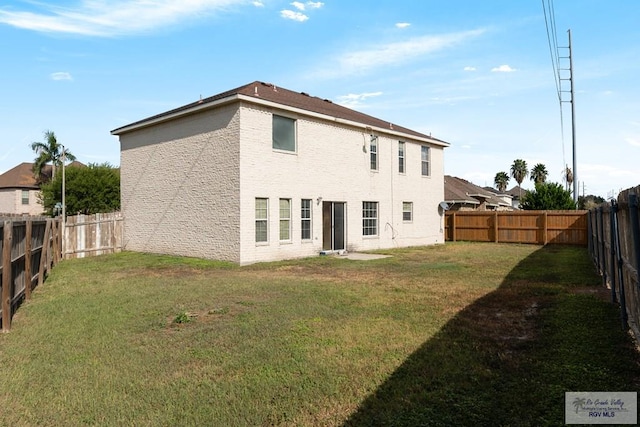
(458,190)
(22,176)
(272,93)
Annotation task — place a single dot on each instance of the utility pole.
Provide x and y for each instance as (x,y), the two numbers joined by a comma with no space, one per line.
(573,116)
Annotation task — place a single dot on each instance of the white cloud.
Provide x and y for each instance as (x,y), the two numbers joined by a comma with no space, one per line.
(396,53)
(258,4)
(469,68)
(354,100)
(298,5)
(403,25)
(503,69)
(61,76)
(295,16)
(315,5)
(633,141)
(112,18)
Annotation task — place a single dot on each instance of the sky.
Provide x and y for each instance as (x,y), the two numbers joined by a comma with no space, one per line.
(476,74)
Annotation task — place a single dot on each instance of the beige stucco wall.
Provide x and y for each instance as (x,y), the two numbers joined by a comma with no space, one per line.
(180,186)
(331,163)
(11,202)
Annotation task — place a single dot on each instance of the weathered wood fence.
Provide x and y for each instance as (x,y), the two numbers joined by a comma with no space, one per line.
(90,235)
(535,227)
(30,247)
(614,245)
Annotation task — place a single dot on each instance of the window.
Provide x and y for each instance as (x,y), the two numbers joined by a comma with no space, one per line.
(25,197)
(407,211)
(285,219)
(284,133)
(401,157)
(373,153)
(262,218)
(369,218)
(305,219)
(425,161)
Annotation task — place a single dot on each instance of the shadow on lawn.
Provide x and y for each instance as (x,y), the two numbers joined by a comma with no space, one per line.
(505,359)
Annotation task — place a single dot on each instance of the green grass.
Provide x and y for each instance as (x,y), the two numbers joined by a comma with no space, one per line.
(461,334)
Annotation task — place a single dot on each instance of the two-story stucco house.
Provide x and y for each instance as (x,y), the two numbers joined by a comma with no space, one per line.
(19,191)
(262,173)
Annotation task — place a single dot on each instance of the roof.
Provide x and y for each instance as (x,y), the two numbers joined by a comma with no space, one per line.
(22,176)
(260,92)
(458,190)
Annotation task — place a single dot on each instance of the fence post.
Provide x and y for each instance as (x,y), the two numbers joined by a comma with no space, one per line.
(453,227)
(495,226)
(6,275)
(635,231)
(545,238)
(612,246)
(27,259)
(601,248)
(44,252)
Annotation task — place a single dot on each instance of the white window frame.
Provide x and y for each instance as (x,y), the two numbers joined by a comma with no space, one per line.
(425,160)
(294,124)
(407,211)
(370,219)
(306,213)
(373,153)
(25,200)
(402,153)
(262,217)
(285,220)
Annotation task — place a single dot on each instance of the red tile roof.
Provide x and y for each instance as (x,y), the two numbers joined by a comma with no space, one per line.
(300,100)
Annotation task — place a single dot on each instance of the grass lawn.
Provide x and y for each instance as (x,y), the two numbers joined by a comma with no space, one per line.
(459,334)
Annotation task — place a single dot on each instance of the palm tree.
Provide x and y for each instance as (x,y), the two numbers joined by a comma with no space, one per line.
(49,151)
(519,172)
(501,181)
(539,173)
(568,178)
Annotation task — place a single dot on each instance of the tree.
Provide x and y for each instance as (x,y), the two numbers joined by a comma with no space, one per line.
(501,181)
(547,196)
(90,189)
(567,177)
(589,202)
(539,173)
(49,151)
(519,172)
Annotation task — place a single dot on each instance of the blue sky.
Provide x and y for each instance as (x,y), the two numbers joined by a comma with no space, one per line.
(477,74)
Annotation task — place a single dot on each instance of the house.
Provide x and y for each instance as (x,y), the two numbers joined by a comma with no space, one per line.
(19,191)
(462,195)
(262,173)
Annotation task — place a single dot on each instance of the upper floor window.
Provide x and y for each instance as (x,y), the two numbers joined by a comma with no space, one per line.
(25,197)
(373,153)
(284,133)
(401,152)
(426,169)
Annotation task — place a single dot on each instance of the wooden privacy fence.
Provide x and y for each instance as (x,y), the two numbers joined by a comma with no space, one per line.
(536,227)
(30,247)
(90,235)
(614,245)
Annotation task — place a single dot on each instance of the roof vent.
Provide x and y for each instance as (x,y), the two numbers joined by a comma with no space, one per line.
(390,125)
(304,93)
(329,101)
(255,91)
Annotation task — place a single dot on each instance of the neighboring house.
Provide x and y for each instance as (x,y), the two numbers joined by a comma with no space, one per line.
(505,197)
(262,173)
(462,195)
(19,191)
(515,193)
